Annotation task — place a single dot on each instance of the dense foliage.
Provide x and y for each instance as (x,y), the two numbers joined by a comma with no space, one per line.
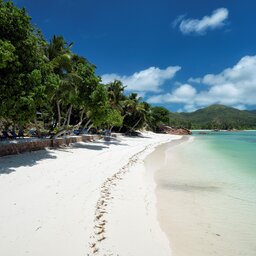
(24,74)
(44,85)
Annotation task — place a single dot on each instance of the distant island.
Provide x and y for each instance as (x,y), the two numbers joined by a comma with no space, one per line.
(215,117)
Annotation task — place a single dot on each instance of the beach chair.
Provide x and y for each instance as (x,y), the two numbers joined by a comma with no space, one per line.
(83,131)
(13,134)
(6,135)
(107,132)
(76,132)
(20,134)
(32,133)
(3,136)
(10,134)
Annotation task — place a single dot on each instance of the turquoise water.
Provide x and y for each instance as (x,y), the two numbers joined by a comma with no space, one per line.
(207,194)
(238,148)
(236,151)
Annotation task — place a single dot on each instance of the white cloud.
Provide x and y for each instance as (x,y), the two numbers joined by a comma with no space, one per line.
(194,80)
(200,26)
(234,86)
(182,94)
(150,79)
(178,20)
(189,108)
(141,94)
(240,107)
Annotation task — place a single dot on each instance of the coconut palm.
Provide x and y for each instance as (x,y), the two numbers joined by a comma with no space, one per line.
(136,112)
(116,94)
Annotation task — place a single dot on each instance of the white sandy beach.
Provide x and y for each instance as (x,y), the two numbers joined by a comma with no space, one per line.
(88,199)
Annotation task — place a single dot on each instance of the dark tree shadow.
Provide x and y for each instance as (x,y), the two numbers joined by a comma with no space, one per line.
(137,136)
(88,146)
(112,141)
(117,143)
(8,164)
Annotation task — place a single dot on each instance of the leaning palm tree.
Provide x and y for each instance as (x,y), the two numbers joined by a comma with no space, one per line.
(135,112)
(142,112)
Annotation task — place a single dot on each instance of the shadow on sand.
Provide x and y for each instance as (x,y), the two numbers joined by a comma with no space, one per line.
(10,163)
(137,136)
(92,146)
(113,141)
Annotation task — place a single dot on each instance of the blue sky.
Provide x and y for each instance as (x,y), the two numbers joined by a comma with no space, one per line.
(182,54)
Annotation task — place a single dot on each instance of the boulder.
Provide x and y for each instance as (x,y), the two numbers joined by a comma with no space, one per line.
(175,131)
(204,133)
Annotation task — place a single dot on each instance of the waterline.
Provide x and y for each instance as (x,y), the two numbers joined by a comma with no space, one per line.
(206,196)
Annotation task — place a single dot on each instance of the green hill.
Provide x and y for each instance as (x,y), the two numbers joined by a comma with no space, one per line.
(215,117)
(252,111)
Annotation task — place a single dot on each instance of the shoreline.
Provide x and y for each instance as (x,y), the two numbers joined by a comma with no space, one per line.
(159,156)
(153,163)
(206,200)
(130,195)
(49,199)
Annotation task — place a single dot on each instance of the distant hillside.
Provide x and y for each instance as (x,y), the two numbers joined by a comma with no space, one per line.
(215,117)
(252,111)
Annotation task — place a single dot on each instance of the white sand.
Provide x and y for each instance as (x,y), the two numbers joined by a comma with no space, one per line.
(52,201)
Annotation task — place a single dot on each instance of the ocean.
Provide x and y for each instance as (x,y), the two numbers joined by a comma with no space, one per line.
(206,193)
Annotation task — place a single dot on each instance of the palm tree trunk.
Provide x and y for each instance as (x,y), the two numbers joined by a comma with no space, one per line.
(89,127)
(66,118)
(69,115)
(37,128)
(81,119)
(59,113)
(87,123)
(135,124)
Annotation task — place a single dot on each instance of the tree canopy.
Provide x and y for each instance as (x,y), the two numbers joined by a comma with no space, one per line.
(47,86)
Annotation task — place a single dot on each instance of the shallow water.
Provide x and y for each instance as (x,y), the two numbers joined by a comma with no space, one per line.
(207,194)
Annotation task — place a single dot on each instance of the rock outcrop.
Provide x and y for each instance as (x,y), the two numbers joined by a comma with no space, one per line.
(174,131)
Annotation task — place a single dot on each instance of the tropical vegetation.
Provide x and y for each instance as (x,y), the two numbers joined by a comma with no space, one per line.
(215,117)
(47,86)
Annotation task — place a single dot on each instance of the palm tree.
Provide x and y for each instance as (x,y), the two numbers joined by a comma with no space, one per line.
(116,94)
(142,112)
(58,54)
(136,112)
(57,47)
